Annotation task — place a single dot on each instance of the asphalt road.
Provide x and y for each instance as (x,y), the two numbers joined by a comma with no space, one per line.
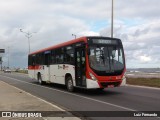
(127,98)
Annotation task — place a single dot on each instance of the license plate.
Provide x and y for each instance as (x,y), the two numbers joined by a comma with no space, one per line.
(110,86)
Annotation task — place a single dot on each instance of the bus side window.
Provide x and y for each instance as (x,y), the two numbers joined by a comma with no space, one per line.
(37,59)
(30,60)
(59,55)
(56,56)
(47,58)
(53,58)
(69,54)
(33,60)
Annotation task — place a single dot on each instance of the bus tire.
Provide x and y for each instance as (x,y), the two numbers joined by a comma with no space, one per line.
(69,84)
(40,79)
(100,89)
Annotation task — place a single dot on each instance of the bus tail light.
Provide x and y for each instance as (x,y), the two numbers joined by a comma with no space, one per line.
(93,77)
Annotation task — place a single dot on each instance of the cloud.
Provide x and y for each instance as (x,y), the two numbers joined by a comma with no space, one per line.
(137,9)
(145,59)
(89,33)
(136,22)
(141,42)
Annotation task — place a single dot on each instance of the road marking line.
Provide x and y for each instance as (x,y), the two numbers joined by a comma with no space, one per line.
(35,97)
(20,74)
(107,103)
(146,87)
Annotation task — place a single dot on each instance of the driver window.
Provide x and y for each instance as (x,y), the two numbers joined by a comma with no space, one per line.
(92,57)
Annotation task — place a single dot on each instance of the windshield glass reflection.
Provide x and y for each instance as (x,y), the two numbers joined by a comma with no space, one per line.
(106,58)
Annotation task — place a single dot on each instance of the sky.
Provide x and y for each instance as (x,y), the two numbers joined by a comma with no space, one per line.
(136,23)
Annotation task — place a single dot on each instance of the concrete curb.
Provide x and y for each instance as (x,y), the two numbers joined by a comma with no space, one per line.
(22,100)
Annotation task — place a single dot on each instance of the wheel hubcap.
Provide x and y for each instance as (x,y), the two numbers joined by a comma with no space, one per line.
(40,81)
(70,85)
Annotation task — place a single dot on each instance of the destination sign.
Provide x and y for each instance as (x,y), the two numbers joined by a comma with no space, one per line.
(104,41)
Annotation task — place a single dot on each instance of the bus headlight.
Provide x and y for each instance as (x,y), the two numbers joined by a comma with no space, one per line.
(124,80)
(92,77)
(124,76)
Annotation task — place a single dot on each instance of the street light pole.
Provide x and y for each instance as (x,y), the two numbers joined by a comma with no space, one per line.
(28,35)
(8,57)
(74,35)
(112,18)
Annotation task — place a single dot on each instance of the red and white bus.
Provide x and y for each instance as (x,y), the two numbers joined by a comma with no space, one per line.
(86,62)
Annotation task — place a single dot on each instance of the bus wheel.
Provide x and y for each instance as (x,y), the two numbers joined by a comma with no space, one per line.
(69,84)
(100,89)
(40,79)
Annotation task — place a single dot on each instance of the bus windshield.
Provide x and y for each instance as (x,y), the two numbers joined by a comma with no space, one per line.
(106,60)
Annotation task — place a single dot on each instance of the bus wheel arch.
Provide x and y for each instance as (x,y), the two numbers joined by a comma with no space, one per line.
(69,82)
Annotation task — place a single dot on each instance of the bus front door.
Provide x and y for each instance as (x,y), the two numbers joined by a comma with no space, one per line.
(80,67)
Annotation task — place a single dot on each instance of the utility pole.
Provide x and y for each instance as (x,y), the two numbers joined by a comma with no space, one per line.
(8,57)
(74,36)
(28,35)
(112,17)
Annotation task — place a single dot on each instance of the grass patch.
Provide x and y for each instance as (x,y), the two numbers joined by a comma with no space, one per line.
(22,71)
(151,82)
